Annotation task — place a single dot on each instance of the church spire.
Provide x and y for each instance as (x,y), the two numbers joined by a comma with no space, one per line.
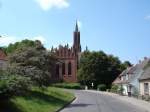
(76,28)
(76,42)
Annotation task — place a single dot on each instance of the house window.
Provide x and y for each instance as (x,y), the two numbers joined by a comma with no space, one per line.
(69,68)
(63,68)
(146,88)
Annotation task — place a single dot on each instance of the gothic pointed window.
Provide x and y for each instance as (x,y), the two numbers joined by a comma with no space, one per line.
(69,68)
(57,70)
(63,68)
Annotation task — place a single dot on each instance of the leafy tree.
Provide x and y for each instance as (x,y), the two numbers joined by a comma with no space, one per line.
(126,64)
(34,62)
(99,68)
(19,45)
(29,63)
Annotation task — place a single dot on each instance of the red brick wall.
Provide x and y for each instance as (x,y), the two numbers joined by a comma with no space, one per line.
(72,77)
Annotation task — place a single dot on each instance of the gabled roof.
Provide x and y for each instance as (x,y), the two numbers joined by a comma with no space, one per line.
(124,72)
(118,79)
(144,63)
(132,69)
(138,68)
(146,74)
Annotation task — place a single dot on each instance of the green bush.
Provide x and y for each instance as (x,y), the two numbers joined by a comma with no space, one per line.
(146,97)
(120,90)
(114,88)
(101,87)
(68,85)
(12,85)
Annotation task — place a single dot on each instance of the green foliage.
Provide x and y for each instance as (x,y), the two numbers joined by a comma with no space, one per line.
(12,84)
(38,100)
(120,90)
(29,64)
(68,85)
(114,88)
(101,87)
(99,68)
(19,45)
(146,97)
(34,62)
(125,65)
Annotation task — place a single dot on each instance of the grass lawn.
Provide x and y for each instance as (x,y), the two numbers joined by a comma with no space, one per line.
(37,100)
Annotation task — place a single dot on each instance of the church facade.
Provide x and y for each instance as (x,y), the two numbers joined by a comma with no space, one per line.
(68,59)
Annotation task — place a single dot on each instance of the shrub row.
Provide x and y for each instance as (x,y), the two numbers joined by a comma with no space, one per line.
(101,87)
(68,85)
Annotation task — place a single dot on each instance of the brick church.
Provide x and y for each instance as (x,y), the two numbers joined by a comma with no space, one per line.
(68,59)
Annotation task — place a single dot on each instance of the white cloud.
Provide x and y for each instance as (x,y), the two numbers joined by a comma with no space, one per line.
(6,40)
(147,17)
(48,4)
(41,38)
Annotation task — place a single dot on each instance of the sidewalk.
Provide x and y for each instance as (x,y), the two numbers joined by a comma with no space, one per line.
(131,100)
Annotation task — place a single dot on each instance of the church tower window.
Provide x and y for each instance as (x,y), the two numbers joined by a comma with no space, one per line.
(69,68)
(57,70)
(63,68)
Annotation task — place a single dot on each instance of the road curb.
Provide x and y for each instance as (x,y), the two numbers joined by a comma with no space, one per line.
(66,105)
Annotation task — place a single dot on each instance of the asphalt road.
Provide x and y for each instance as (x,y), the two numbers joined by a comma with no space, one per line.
(87,101)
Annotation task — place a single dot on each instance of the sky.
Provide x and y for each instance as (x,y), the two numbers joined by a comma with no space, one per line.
(118,27)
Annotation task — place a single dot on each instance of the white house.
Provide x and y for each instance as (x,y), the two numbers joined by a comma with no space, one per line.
(129,78)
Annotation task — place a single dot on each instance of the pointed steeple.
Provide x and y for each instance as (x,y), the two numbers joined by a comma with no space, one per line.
(76,38)
(76,27)
(86,48)
(52,49)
